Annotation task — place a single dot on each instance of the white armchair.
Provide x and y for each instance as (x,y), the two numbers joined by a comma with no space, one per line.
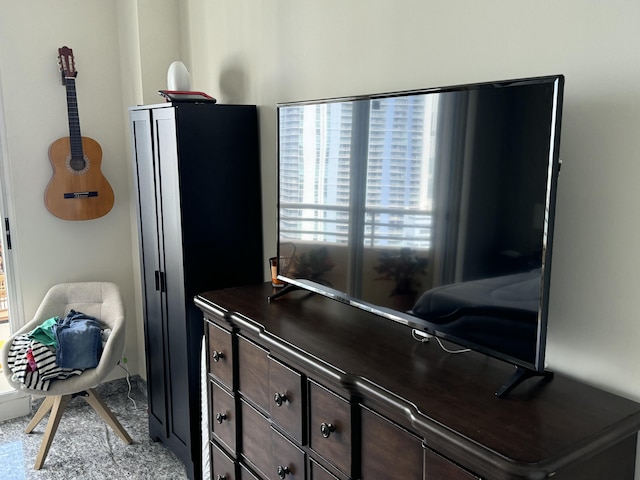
(100,300)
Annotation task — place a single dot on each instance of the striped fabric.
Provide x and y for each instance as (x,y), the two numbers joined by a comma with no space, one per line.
(45,359)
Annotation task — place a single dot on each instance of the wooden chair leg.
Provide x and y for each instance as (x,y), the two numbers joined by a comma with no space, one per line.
(98,405)
(60,402)
(45,408)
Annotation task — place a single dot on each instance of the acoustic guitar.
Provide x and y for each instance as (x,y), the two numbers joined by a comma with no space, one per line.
(77,190)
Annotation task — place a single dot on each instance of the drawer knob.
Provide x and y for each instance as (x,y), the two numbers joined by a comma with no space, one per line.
(221,417)
(326,429)
(217,356)
(283,471)
(280,398)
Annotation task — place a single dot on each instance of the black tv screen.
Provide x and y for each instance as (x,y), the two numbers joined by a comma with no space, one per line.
(431,207)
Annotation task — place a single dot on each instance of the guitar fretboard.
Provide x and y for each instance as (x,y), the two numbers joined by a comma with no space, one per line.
(75,137)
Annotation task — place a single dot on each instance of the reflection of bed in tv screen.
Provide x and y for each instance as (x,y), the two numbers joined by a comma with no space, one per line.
(500,313)
(433,208)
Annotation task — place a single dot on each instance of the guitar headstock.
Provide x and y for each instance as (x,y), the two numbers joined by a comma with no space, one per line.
(67,64)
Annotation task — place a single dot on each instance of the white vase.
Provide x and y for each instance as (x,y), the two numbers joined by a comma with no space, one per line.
(178,77)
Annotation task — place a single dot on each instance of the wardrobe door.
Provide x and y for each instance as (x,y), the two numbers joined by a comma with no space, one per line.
(144,175)
(171,247)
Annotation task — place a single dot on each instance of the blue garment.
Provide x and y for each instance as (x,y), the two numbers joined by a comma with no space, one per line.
(79,342)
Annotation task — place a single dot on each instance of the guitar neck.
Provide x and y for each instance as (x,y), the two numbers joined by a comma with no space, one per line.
(75,136)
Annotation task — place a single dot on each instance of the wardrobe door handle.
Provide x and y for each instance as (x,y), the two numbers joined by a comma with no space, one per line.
(160,281)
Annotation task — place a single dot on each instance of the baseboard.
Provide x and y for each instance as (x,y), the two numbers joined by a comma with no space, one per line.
(14,405)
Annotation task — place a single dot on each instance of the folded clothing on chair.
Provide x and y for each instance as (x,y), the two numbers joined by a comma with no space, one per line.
(22,349)
(79,341)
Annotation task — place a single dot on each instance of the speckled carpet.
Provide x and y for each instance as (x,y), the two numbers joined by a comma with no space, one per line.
(86,448)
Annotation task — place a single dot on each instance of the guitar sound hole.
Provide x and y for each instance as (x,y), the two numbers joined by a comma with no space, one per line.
(77,165)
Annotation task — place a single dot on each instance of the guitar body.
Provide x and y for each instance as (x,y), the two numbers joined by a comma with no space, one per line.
(77,190)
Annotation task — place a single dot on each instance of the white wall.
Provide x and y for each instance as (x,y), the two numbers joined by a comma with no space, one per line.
(269,51)
(48,250)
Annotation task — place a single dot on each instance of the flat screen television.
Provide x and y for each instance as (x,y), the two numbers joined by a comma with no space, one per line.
(433,208)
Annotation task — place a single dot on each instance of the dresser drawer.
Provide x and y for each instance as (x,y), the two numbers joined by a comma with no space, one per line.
(220,354)
(222,467)
(253,373)
(287,400)
(318,472)
(330,426)
(246,474)
(383,443)
(288,460)
(436,466)
(223,418)
(256,439)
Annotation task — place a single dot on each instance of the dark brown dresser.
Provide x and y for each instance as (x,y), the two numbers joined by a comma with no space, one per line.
(305,387)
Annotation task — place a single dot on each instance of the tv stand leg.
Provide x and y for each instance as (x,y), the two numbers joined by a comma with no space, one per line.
(520,376)
(283,291)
